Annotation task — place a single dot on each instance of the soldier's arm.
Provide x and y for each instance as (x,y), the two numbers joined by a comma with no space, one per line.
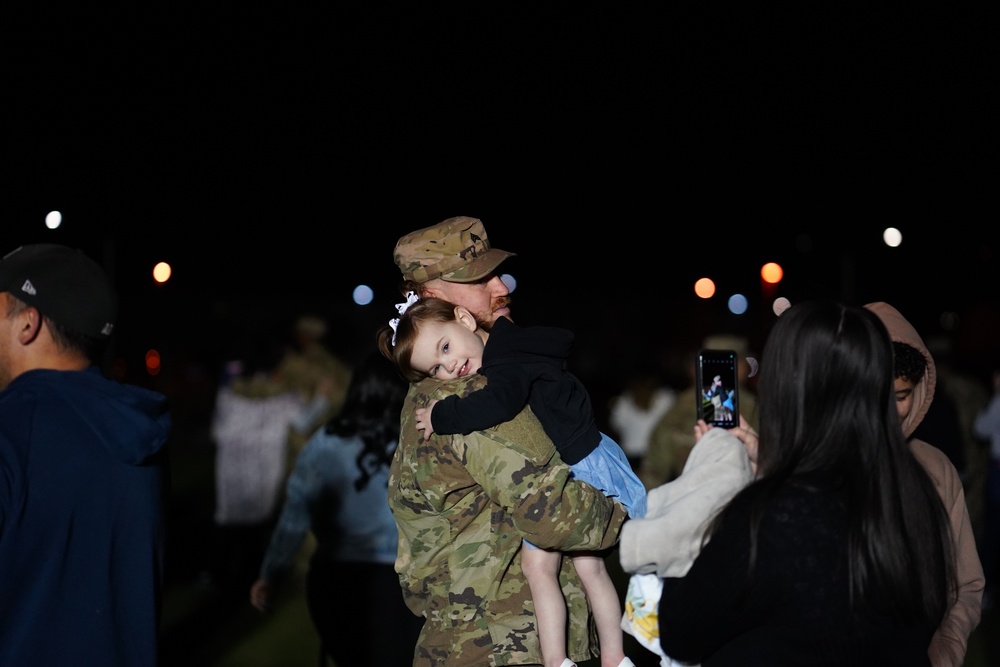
(518,467)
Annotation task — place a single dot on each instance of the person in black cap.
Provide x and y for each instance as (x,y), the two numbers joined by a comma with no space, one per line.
(82,464)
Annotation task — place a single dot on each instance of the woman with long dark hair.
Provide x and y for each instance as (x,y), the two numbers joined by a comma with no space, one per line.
(839,551)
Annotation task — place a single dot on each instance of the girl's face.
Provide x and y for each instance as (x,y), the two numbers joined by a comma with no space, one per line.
(447,350)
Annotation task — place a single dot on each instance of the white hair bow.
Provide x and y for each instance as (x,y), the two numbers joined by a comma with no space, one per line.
(411,298)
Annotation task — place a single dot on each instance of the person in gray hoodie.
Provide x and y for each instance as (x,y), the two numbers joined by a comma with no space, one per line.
(913,399)
(82,474)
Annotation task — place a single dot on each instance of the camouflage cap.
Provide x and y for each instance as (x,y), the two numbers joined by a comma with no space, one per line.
(456,250)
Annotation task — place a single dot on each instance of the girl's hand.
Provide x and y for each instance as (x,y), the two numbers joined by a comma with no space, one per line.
(260,594)
(423,416)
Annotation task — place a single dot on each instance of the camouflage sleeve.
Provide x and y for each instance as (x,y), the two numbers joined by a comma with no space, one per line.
(518,467)
(462,505)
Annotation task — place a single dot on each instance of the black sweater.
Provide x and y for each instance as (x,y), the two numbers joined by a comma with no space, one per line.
(797,611)
(526,366)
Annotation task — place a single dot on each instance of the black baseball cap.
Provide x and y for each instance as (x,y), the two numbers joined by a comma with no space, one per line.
(64,284)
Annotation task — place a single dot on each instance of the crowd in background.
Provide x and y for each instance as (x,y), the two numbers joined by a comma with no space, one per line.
(650,409)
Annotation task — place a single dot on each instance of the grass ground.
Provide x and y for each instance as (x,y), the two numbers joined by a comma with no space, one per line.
(200,633)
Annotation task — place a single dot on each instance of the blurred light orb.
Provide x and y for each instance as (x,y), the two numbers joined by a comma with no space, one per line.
(363,295)
(780,305)
(161,272)
(704,288)
(509,281)
(53,219)
(153,362)
(737,304)
(772,273)
(754,366)
(892,237)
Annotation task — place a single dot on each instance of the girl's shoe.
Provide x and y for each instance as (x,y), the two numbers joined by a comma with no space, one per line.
(569,663)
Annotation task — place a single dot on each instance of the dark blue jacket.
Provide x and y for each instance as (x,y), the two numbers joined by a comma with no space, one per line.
(82,494)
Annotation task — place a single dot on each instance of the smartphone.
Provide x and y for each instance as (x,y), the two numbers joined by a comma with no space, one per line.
(717,391)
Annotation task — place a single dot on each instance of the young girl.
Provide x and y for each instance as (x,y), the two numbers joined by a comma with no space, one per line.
(524,366)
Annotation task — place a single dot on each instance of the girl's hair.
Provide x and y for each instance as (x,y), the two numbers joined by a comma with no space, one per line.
(826,404)
(371,411)
(425,310)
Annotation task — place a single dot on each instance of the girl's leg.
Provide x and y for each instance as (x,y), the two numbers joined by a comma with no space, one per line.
(541,569)
(605,604)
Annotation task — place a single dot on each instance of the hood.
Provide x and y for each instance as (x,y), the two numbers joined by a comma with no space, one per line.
(534,341)
(902,331)
(132,423)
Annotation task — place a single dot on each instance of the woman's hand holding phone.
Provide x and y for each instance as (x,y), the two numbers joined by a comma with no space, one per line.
(744,432)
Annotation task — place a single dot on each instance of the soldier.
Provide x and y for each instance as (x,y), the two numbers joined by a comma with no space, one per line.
(463,503)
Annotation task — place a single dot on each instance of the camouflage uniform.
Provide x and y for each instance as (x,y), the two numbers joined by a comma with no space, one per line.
(672,438)
(462,505)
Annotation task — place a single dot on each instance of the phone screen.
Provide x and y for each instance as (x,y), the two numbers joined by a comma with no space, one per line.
(717,388)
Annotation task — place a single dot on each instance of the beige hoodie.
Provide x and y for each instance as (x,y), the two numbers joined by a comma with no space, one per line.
(950,642)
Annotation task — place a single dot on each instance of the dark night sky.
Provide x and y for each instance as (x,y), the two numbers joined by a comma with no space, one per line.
(275,157)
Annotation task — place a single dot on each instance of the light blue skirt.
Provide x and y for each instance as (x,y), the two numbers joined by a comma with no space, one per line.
(607,469)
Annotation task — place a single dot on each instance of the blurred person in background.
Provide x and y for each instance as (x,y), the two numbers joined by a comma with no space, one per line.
(914,383)
(969,395)
(313,371)
(83,461)
(941,425)
(634,412)
(987,425)
(672,437)
(338,492)
(255,411)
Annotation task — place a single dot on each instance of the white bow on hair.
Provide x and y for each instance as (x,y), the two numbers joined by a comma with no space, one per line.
(411,298)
